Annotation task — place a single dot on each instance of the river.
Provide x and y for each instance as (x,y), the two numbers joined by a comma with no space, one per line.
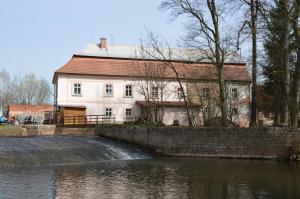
(152,177)
(155,178)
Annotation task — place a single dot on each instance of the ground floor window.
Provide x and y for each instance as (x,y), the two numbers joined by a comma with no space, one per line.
(108,111)
(205,92)
(234,111)
(128,113)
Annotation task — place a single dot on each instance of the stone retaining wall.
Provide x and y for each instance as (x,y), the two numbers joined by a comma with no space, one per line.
(53,130)
(256,143)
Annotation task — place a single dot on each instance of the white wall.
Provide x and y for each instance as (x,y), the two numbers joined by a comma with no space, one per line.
(93,94)
(94,99)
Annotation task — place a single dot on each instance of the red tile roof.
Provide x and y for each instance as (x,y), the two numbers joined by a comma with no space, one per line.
(86,65)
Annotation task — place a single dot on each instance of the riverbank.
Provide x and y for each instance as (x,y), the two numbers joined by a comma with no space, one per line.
(44,130)
(252,143)
(9,130)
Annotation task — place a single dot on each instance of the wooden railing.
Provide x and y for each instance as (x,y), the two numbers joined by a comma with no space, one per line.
(85,120)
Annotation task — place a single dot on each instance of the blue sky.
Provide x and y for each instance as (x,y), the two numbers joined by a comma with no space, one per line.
(41,35)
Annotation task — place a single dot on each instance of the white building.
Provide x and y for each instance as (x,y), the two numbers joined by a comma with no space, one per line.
(109,79)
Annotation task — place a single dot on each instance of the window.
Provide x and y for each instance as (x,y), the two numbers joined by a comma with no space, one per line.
(77,89)
(128,113)
(179,93)
(234,111)
(108,90)
(128,91)
(205,92)
(154,92)
(108,111)
(234,93)
(206,109)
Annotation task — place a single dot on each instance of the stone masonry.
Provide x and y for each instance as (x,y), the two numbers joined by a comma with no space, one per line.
(254,143)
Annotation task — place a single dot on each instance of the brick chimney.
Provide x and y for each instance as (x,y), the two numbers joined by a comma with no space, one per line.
(103,43)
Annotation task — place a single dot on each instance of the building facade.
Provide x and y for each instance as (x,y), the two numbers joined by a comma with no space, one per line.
(114,80)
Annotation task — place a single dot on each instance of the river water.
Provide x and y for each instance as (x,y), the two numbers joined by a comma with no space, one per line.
(155,178)
(150,177)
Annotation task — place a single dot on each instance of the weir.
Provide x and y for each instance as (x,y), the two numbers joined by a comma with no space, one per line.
(58,150)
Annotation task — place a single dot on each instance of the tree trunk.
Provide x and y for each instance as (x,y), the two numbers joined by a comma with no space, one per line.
(219,61)
(295,92)
(285,54)
(222,96)
(254,5)
(186,104)
(296,86)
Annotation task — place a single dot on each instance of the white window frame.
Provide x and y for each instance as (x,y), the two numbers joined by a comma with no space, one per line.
(234,95)
(131,113)
(106,94)
(75,87)
(234,112)
(205,92)
(152,92)
(206,109)
(179,93)
(131,90)
(108,112)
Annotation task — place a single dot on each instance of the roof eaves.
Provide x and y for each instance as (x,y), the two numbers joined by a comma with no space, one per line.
(135,76)
(147,59)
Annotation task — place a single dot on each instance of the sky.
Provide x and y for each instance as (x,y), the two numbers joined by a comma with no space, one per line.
(40,36)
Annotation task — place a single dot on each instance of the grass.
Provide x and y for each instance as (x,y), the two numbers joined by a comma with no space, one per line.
(9,130)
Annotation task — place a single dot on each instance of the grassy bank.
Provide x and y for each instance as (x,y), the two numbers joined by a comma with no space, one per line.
(9,130)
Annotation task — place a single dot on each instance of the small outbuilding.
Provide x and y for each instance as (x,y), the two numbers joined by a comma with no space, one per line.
(21,111)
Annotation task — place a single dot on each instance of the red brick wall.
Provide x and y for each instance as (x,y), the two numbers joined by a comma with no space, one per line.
(21,111)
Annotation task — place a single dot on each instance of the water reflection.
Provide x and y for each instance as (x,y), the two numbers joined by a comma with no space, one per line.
(163,178)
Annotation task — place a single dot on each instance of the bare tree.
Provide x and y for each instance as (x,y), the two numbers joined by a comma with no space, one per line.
(204,34)
(30,85)
(161,51)
(6,92)
(251,23)
(43,93)
(154,87)
(27,89)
